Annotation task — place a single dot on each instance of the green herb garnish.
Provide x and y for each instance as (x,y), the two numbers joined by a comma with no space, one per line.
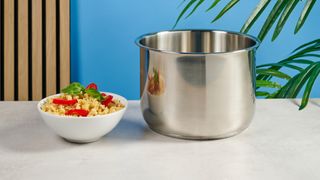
(74,89)
(77,89)
(95,94)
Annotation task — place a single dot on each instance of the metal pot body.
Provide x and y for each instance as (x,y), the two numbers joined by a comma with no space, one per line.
(197,84)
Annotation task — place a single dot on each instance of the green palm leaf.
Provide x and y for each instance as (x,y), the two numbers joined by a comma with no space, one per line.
(267,84)
(262,93)
(314,42)
(255,15)
(191,2)
(213,5)
(311,81)
(225,9)
(310,55)
(272,95)
(308,47)
(282,92)
(282,9)
(195,8)
(284,17)
(305,50)
(300,56)
(300,81)
(281,65)
(274,73)
(304,14)
(274,14)
(181,3)
(301,61)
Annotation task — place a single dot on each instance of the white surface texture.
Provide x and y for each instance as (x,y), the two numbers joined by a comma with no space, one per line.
(281,143)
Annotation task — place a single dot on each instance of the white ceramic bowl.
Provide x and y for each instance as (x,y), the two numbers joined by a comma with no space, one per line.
(83,129)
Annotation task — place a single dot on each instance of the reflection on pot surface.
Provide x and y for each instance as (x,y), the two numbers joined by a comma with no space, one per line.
(156,89)
(197,84)
(155,82)
(188,66)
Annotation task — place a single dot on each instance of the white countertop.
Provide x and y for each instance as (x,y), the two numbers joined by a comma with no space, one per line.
(281,143)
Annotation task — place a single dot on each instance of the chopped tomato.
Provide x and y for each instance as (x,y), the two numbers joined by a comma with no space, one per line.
(79,112)
(92,86)
(107,100)
(64,101)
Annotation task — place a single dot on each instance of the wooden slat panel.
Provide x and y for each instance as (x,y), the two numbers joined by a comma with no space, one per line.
(36,49)
(64,43)
(51,47)
(23,50)
(9,50)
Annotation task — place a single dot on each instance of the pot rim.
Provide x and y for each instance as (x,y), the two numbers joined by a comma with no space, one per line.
(253,38)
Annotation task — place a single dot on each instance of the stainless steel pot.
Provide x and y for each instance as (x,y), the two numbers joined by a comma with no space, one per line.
(197,84)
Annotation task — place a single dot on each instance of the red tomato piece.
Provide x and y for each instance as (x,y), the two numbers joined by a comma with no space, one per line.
(92,86)
(107,100)
(79,112)
(64,101)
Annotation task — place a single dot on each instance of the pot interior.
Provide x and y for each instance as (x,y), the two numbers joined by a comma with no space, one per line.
(197,41)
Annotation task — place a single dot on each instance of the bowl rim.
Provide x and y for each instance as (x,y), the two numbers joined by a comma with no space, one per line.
(253,38)
(121,98)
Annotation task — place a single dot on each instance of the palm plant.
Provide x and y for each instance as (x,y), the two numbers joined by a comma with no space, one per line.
(304,60)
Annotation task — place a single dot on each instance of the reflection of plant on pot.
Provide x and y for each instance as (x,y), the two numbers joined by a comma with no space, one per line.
(155,82)
(155,89)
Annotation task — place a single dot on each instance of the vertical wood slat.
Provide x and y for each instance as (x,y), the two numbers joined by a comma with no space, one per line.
(51,64)
(23,50)
(64,43)
(8,50)
(36,49)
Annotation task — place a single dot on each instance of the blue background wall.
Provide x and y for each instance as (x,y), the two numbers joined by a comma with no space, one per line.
(103,34)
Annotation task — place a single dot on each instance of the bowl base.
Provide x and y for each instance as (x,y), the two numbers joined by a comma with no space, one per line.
(81,141)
